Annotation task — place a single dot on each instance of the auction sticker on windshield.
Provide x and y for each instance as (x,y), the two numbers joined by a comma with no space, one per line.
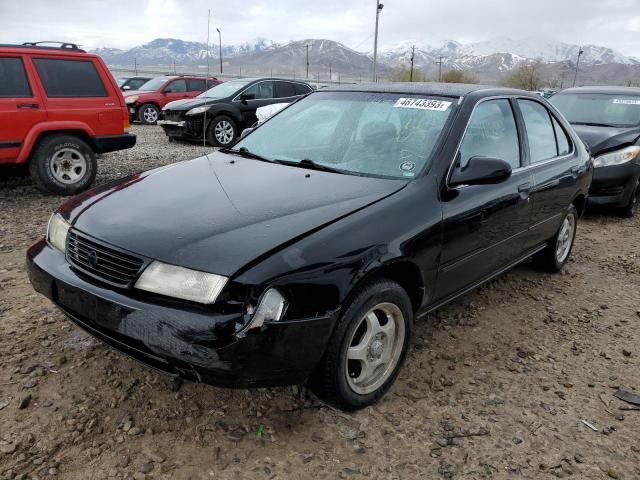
(626,101)
(423,104)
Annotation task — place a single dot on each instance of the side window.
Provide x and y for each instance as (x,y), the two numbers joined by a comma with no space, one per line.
(211,83)
(537,122)
(564,146)
(285,89)
(261,91)
(69,78)
(301,89)
(177,86)
(13,78)
(136,83)
(197,85)
(492,133)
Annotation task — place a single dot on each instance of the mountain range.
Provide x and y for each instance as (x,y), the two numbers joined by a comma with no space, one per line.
(488,60)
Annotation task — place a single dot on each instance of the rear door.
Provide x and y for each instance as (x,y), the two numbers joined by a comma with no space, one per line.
(485,226)
(76,91)
(196,86)
(263,94)
(20,106)
(555,165)
(285,91)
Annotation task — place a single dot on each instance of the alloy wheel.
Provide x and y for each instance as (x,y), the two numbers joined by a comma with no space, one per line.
(565,237)
(223,132)
(375,348)
(68,165)
(150,115)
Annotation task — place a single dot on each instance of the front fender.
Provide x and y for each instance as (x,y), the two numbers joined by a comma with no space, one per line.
(55,126)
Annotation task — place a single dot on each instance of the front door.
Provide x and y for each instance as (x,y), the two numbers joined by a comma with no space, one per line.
(262,93)
(20,107)
(485,226)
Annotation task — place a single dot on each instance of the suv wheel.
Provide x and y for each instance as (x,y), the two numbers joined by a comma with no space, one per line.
(634,202)
(148,114)
(558,250)
(63,164)
(367,348)
(222,131)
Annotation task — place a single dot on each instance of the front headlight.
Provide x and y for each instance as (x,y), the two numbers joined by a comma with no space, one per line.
(57,230)
(618,157)
(197,110)
(180,282)
(271,307)
(131,99)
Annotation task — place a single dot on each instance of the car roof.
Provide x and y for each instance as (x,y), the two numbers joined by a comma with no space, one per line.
(429,88)
(43,50)
(602,89)
(255,79)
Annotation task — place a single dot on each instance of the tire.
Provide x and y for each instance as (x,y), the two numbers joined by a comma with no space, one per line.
(335,379)
(148,114)
(634,203)
(553,258)
(222,131)
(63,165)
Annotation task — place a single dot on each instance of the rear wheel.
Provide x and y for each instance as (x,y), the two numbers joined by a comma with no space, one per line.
(367,348)
(148,114)
(557,252)
(63,164)
(222,131)
(632,207)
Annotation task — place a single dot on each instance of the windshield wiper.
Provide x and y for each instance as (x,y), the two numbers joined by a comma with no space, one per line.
(244,152)
(596,124)
(311,165)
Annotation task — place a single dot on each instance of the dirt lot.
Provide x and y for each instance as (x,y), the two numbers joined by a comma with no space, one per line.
(496,385)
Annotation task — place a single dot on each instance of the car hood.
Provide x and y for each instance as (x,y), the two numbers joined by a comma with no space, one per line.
(189,103)
(601,139)
(220,212)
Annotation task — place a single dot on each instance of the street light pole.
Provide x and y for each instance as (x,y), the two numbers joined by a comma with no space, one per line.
(575,76)
(307,45)
(379,8)
(413,52)
(220,38)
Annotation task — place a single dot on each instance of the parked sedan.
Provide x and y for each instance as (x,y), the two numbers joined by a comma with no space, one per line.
(306,252)
(222,112)
(608,120)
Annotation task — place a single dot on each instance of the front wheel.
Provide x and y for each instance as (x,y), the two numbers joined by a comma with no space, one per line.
(367,348)
(634,202)
(63,164)
(222,131)
(148,114)
(557,252)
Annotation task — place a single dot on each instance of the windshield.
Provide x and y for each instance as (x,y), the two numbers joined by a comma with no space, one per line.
(599,108)
(366,133)
(153,84)
(224,90)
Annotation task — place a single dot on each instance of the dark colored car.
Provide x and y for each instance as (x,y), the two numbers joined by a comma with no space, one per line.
(306,251)
(59,108)
(146,103)
(608,121)
(132,83)
(229,107)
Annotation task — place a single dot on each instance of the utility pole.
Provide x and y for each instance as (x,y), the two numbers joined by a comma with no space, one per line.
(413,53)
(329,72)
(439,62)
(135,64)
(174,67)
(307,45)
(379,7)
(220,38)
(575,76)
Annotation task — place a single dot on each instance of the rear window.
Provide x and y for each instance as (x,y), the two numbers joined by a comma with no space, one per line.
(13,78)
(285,89)
(197,85)
(69,78)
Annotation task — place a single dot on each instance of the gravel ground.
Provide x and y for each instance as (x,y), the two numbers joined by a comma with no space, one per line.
(497,384)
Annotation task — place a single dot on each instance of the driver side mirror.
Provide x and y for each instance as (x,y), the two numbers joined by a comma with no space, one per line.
(247,96)
(126,87)
(481,171)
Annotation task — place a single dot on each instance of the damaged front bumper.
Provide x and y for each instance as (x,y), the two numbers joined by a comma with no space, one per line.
(179,341)
(189,128)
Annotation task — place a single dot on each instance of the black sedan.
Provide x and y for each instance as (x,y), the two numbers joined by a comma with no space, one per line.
(306,251)
(222,112)
(608,121)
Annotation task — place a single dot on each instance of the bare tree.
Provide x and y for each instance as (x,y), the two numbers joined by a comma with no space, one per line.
(458,76)
(527,76)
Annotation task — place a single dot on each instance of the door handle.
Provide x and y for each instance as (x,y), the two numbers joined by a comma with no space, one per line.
(28,105)
(524,187)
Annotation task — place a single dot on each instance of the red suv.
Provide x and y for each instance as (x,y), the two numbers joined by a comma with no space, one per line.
(146,102)
(59,108)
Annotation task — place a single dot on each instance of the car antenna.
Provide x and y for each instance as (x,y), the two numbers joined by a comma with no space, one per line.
(204,123)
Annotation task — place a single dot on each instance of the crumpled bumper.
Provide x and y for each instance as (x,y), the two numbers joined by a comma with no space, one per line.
(180,340)
(613,186)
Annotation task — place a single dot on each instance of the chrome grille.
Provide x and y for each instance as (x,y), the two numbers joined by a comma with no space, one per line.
(102,262)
